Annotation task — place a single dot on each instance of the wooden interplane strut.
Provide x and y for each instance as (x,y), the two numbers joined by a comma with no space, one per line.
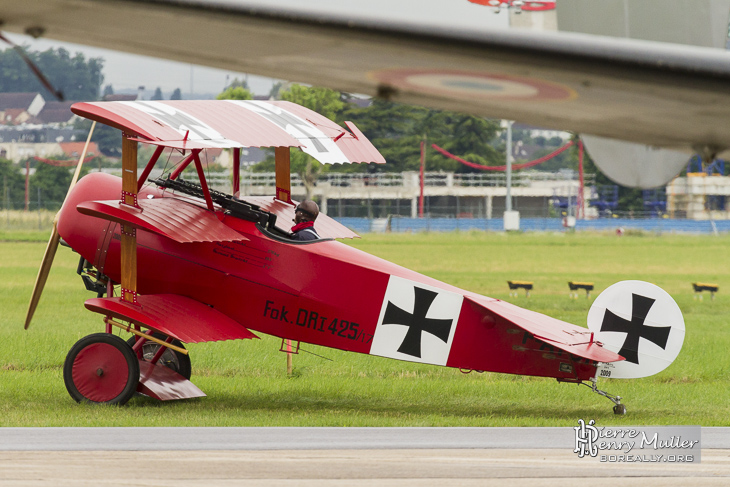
(283,177)
(129,233)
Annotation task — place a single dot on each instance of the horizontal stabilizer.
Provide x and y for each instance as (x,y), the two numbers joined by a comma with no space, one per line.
(180,317)
(560,334)
(170,217)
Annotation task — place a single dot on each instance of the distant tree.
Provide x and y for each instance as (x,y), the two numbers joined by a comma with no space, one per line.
(77,77)
(568,159)
(108,90)
(276,89)
(520,134)
(467,137)
(555,141)
(12,185)
(176,95)
(324,101)
(239,83)
(397,131)
(107,138)
(158,94)
(384,119)
(235,93)
(53,182)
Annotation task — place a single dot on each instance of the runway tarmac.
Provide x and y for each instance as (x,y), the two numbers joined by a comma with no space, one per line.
(440,457)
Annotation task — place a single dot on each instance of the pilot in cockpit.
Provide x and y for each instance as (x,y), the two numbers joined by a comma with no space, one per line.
(304,217)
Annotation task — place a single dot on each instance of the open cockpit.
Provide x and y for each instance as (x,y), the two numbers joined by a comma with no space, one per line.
(270,215)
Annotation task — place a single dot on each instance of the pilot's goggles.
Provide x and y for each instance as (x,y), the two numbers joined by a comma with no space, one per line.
(302,210)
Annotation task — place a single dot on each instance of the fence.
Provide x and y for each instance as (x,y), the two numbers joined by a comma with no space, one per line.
(442,213)
(13,220)
(431,179)
(26,220)
(464,207)
(655,225)
(40,214)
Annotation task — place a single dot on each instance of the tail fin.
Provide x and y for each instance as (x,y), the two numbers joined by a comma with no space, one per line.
(642,323)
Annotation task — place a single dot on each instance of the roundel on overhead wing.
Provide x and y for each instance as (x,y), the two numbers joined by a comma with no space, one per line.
(634,165)
(474,85)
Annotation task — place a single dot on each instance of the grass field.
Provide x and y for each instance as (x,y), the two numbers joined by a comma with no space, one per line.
(36,222)
(247,384)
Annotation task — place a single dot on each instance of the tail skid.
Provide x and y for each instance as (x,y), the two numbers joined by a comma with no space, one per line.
(592,384)
(618,408)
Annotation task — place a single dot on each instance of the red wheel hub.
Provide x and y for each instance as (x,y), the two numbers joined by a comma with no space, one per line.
(100,372)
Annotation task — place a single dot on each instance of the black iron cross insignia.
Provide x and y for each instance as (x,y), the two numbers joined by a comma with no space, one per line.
(636,329)
(417,322)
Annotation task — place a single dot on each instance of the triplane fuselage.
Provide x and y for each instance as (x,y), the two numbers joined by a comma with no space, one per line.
(323,292)
(195,265)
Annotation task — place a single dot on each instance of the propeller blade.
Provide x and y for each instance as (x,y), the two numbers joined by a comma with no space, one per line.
(43,272)
(52,246)
(81,161)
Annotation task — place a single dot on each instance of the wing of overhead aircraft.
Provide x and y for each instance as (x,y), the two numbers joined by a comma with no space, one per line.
(663,95)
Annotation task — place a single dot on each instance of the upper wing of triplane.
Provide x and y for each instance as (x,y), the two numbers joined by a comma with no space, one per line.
(207,124)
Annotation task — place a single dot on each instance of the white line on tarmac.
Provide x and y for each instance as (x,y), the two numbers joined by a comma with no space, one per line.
(305,438)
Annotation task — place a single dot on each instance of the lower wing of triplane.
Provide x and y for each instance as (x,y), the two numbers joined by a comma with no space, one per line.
(179,317)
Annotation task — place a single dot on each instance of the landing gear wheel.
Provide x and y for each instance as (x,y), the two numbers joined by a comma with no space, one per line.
(619,409)
(171,359)
(101,368)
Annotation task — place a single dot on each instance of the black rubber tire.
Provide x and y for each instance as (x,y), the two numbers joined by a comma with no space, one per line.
(101,365)
(178,362)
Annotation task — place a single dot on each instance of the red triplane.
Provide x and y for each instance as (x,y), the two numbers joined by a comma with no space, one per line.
(195,265)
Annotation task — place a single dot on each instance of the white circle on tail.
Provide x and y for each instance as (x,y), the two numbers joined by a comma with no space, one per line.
(642,323)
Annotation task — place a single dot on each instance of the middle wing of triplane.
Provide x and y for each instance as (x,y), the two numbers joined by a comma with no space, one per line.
(177,220)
